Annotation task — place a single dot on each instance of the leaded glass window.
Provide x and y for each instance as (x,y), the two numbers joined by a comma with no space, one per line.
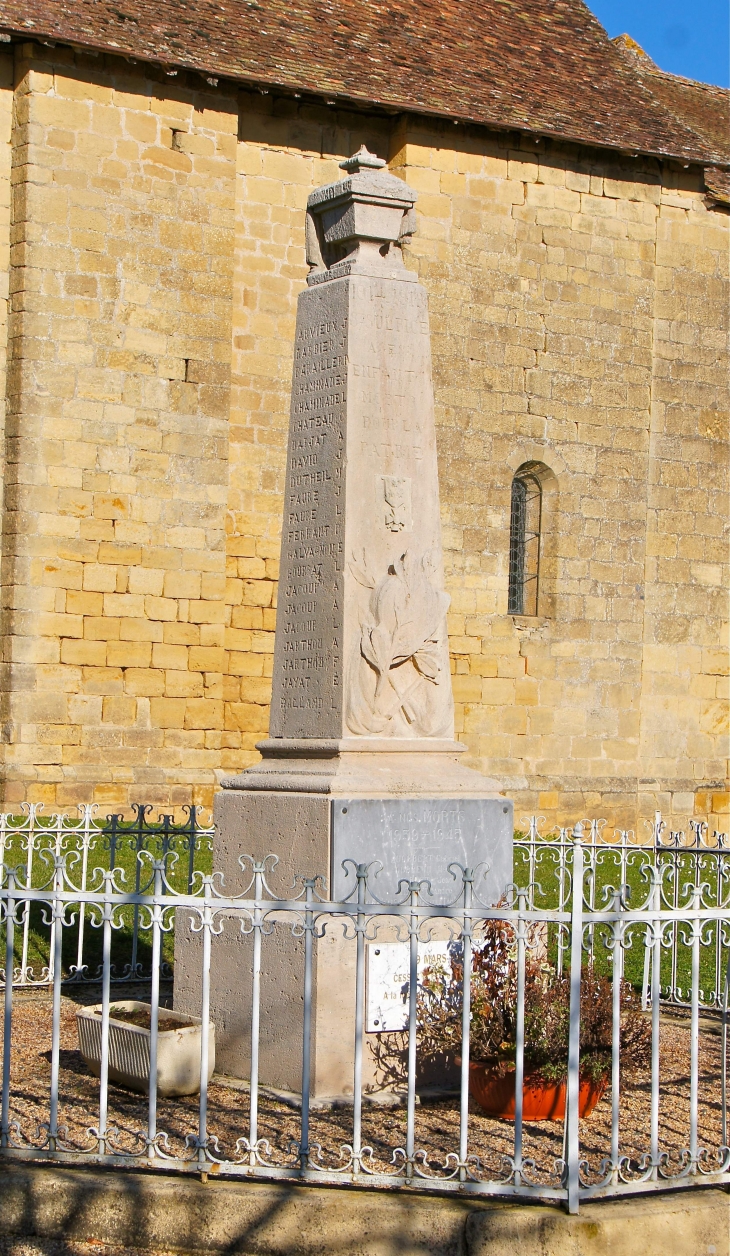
(524,544)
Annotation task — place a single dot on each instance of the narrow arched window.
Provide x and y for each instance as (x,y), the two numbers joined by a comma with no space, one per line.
(524,544)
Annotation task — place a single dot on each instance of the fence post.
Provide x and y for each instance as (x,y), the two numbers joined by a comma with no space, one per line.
(573,1089)
(657,830)
(309,926)
(8,1010)
(253,1118)
(413,927)
(724,1077)
(467,939)
(157,921)
(520,937)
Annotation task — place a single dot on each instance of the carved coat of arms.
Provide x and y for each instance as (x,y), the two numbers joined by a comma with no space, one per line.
(399,683)
(397,499)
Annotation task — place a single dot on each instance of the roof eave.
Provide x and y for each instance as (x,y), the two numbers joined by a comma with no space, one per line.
(362,100)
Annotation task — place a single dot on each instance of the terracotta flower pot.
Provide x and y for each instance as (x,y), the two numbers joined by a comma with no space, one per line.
(541,1100)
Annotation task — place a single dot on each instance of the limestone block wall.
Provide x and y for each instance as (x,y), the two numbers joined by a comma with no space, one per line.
(684,701)
(6,114)
(118,399)
(577,307)
(545,306)
(585,301)
(542,285)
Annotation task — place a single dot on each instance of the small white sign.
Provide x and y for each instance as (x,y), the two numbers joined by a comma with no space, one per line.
(387,981)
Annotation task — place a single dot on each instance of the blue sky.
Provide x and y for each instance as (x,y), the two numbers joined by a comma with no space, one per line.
(690,37)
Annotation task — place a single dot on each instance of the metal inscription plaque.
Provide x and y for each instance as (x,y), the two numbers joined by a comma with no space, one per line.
(388,980)
(417,839)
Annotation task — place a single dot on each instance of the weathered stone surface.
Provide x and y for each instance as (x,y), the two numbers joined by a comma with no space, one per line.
(418,838)
(266,1219)
(361,661)
(362,707)
(361,643)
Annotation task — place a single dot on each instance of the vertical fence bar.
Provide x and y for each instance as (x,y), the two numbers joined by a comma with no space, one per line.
(656,959)
(362,873)
(85,847)
(253,1133)
(3,836)
(590,881)
(520,1038)
(466,936)
(695,1030)
(573,1088)
(616,978)
(562,896)
(724,1079)
(57,828)
(676,870)
(26,909)
(304,1151)
(192,845)
(154,1006)
(624,856)
(717,862)
(106,966)
(533,838)
(57,922)
(205,1028)
(656,839)
(9,897)
(138,846)
(414,887)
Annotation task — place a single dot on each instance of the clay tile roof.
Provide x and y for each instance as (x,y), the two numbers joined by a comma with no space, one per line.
(701,107)
(544,66)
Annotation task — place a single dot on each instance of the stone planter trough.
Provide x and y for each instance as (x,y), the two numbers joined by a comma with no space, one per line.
(178,1050)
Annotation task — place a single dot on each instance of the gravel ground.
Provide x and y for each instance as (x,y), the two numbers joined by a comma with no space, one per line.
(437,1123)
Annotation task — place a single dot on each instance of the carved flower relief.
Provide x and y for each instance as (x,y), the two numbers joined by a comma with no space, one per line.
(399,683)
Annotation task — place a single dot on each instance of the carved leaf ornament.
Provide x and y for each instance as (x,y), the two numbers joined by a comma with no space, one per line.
(404,624)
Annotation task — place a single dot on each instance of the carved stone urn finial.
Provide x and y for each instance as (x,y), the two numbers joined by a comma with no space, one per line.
(356,225)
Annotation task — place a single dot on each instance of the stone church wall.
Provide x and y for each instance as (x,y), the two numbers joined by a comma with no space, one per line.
(577,301)
(123,222)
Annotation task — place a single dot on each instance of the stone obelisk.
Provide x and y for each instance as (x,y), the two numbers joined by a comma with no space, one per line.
(361,761)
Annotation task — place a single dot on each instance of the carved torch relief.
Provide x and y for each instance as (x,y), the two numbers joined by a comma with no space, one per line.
(399,684)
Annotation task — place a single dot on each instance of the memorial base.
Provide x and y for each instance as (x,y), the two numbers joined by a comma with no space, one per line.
(412,811)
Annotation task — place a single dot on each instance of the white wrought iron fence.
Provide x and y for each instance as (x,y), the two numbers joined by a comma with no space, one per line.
(666,1130)
(30,839)
(685,857)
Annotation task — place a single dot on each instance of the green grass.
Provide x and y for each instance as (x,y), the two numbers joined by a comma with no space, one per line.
(117,851)
(681,871)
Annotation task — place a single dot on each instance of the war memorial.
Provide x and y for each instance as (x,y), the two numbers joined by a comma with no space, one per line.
(364,863)
(361,766)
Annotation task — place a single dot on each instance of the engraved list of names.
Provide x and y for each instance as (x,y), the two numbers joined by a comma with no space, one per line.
(307,682)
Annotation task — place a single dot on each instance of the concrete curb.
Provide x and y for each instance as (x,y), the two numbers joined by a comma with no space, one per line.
(265,1219)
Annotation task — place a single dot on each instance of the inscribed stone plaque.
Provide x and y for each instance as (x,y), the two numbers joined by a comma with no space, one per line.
(417,838)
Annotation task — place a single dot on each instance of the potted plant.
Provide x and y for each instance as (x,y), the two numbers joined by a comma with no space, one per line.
(493,1027)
